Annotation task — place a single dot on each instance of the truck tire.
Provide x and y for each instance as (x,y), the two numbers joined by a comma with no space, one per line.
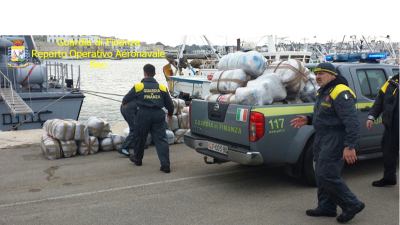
(309,166)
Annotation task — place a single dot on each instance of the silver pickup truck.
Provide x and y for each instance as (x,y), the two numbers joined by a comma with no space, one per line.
(257,135)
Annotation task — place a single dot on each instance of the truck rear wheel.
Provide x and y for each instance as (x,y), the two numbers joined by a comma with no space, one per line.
(309,166)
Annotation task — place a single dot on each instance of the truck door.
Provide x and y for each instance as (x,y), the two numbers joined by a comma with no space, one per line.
(367,82)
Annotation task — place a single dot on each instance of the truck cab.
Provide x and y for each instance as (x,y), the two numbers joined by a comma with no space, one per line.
(257,135)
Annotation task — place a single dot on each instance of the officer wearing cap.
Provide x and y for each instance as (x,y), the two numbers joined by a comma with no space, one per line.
(151,97)
(336,137)
(387,104)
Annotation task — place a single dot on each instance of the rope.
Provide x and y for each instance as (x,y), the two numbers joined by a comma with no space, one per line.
(103,97)
(105,93)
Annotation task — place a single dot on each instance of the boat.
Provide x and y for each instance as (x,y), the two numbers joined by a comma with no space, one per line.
(32,91)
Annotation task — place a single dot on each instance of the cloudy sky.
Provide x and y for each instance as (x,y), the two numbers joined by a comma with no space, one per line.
(222,21)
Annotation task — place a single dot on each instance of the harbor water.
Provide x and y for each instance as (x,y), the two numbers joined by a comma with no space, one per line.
(111,76)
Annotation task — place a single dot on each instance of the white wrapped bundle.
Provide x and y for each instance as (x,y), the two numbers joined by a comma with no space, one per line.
(293,75)
(170,137)
(179,135)
(90,147)
(50,147)
(253,63)
(106,144)
(228,81)
(309,92)
(262,91)
(185,109)
(81,132)
(227,98)
(179,104)
(98,127)
(173,123)
(62,130)
(68,148)
(118,140)
(183,121)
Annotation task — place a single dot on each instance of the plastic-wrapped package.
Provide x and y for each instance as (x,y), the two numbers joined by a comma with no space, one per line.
(179,104)
(170,137)
(179,135)
(293,75)
(50,147)
(262,91)
(228,81)
(173,123)
(98,127)
(62,130)
(309,92)
(118,140)
(68,148)
(252,62)
(106,144)
(226,98)
(93,145)
(183,121)
(185,109)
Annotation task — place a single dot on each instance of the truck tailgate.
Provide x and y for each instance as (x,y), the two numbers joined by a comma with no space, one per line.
(225,122)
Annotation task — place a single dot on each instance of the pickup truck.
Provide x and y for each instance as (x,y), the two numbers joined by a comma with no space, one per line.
(262,135)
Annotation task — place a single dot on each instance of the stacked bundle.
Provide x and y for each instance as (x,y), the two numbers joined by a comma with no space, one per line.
(66,138)
(288,80)
(180,121)
(236,69)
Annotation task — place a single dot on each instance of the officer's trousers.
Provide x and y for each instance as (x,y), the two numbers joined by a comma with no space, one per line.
(129,113)
(390,148)
(151,120)
(332,190)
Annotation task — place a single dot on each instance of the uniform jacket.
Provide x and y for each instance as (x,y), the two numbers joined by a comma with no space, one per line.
(387,103)
(335,109)
(149,93)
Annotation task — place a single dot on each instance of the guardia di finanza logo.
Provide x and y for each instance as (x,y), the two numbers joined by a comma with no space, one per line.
(18,55)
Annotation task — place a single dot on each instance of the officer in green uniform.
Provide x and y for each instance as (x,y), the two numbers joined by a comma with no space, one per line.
(151,97)
(336,136)
(387,104)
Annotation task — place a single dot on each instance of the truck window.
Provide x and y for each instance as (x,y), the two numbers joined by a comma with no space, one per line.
(371,80)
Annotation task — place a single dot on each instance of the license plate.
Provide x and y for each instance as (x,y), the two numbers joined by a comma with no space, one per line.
(217,148)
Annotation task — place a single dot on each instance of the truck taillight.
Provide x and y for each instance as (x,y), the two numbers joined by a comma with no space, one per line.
(256,126)
(190,115)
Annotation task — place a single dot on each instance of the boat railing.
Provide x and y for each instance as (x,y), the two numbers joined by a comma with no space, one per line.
(6,83)
(63,74)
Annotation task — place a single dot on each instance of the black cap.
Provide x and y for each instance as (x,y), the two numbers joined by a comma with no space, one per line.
(326,67)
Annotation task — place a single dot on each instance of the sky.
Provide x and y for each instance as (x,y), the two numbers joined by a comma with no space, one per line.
(221,21)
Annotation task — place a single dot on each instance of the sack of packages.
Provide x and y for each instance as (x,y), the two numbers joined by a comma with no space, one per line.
(228,81)
(179,135)
(81,132)
(183,121)
(98,127)
(68,148)
(170,137)
(262,91)
(172,123)
(293,75)
(179,104)
(63,130)
(50,147)
(252,62)
(226,98)
(118,140)
(309,92)
(113,142)
(185,109)
(90,147)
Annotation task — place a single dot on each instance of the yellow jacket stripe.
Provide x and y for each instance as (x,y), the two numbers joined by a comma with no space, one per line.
(339,89)
(163,87)
(385,86)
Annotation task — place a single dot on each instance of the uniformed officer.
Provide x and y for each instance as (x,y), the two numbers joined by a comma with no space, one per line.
(151,97)
(336,137)
(387,104)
